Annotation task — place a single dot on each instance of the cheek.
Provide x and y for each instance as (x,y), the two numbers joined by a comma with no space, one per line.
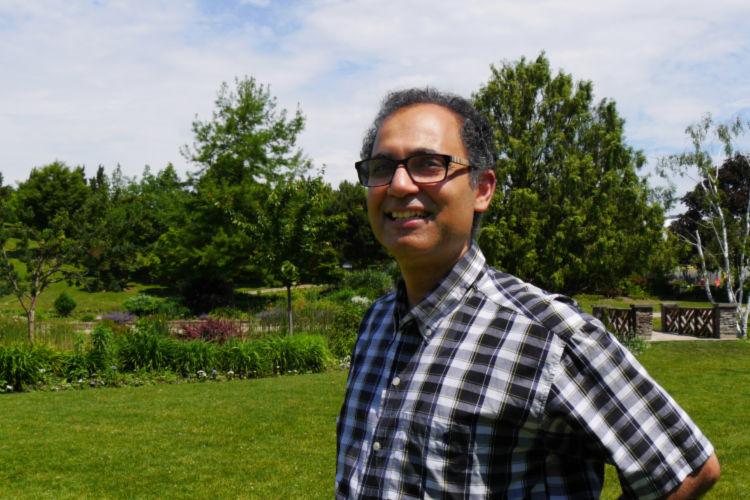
(374,198)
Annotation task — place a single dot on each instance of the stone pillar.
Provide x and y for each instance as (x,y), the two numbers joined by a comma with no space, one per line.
(599,313)
(643,320)
(725,321)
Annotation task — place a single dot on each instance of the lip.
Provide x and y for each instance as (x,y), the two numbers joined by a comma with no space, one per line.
(407,217)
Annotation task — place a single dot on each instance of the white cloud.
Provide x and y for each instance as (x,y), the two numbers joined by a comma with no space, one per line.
(121,82)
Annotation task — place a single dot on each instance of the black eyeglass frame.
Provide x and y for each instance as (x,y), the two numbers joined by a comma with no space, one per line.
(362,173)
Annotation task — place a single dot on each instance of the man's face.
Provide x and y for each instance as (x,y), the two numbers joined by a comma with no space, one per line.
(427,224)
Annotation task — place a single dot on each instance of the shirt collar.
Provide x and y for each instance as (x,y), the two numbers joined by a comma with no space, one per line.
(444,297)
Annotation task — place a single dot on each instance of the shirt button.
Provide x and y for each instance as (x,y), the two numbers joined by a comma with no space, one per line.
(396,381)
(376,446)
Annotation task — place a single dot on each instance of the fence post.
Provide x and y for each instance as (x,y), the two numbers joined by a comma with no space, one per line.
(667,313)
(643,320)
(725,321)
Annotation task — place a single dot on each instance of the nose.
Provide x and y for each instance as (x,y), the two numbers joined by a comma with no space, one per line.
(402,184)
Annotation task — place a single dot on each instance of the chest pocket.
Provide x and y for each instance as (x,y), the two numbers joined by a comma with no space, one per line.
(434,449)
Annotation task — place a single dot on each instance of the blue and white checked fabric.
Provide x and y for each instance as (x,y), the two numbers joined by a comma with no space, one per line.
(491,387)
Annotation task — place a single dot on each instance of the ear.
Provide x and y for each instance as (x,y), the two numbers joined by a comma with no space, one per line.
(484,190)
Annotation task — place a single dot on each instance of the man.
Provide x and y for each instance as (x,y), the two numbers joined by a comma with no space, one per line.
(469,383)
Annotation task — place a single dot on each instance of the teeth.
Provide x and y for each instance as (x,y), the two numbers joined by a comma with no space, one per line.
(408,214)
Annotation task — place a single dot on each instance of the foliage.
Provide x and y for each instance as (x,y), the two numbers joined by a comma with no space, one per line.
(247,139)
(298,353)
(571,213)
(141,304)
(287,226)
(371,283)
(22,365)
(246,359)
(193,356)
(48,192)
(242,154)
(102,353)
(716,224)
(46,254)
(211,330)
(120,223)
(172,307)
(146,347)
(64,305)
(348,316)
(355,243)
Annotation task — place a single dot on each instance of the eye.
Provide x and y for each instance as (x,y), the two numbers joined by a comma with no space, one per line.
(427,162)
(381,167)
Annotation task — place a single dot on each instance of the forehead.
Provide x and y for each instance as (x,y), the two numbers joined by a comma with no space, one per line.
(421,126)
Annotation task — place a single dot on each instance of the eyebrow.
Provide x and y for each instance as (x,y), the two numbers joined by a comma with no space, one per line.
(419,151)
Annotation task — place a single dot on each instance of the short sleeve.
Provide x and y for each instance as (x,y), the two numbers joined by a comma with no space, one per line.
(603,404)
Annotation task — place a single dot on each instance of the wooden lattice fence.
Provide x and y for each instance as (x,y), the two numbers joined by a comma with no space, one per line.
(718,321)
(635,321)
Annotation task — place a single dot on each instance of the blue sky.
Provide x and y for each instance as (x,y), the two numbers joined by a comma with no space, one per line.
(120,82)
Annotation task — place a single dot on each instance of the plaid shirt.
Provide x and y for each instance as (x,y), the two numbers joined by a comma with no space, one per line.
(491,387)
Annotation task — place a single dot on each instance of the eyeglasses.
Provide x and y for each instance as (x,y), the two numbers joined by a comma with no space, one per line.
(422,169)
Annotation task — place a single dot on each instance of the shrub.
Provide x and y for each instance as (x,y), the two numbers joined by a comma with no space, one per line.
(76,363)
(343,335)
(249,359)
(298,353)
(145,347)
(141,304)
(173,308)
(368,282)
(64,305)
(22,365)
(102,351)
(194,355)
(212,329)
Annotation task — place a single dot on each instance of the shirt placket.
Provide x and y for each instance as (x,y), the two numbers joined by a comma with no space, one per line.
(383,417)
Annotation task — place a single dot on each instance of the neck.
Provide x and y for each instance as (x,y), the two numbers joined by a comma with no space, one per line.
(420,277)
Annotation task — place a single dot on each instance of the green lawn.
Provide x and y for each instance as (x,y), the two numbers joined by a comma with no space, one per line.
(275,437)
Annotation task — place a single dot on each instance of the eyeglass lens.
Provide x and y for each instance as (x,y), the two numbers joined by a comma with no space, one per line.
(421,168)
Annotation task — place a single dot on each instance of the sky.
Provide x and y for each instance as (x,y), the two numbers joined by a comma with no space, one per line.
(99,82)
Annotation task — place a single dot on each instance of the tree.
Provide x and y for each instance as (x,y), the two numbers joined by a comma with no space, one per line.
(716,224)
(290,234)
(35,225)
(247,138)
(46,254)
(242,154)
(570,213)
(355,242)
(120,223)
(48,191)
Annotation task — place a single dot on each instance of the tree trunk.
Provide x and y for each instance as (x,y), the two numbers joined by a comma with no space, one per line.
(289,307)
(31,320)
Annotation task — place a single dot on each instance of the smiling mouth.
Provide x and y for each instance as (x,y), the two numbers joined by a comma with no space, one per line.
(407,214)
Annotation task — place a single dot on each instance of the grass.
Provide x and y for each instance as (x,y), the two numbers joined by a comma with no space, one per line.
(275,437)
(711,381)
(265,438)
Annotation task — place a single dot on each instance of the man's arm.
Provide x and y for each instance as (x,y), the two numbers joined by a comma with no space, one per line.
(699,482)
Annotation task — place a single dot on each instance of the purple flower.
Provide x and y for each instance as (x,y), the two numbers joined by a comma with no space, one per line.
(120,318)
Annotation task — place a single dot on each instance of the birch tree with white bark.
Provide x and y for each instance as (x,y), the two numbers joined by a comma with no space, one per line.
(717,221)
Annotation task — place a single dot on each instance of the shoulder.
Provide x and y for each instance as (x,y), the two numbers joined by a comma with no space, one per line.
(557,313)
